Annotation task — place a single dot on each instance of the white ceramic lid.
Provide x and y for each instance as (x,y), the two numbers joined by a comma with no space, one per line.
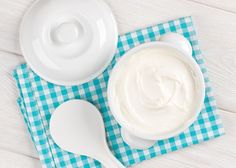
(68,42)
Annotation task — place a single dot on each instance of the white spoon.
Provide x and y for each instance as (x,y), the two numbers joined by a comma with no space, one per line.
(77,126)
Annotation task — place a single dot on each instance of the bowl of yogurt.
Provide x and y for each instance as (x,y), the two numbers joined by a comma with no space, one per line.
(156,91)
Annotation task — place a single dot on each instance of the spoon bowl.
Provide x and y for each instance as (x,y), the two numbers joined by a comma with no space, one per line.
(77,127)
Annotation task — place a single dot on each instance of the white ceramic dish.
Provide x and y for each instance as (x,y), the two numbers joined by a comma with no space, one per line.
(140,138)
(68,42)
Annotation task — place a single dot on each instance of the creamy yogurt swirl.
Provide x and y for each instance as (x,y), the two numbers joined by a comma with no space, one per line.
(154,90)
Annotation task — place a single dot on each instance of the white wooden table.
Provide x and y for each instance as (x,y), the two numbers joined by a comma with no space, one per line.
(215,21)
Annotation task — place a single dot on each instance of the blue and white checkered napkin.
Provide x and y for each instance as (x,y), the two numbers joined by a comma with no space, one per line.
(38,99)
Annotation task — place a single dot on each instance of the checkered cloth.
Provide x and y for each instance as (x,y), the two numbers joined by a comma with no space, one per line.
(38,99)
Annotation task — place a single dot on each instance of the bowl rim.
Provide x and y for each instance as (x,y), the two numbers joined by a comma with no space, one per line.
(140,133)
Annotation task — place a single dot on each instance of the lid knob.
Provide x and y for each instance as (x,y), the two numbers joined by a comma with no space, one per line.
(66,32)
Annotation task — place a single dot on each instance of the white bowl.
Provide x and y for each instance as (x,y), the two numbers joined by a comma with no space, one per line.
(68,42)
(140,138)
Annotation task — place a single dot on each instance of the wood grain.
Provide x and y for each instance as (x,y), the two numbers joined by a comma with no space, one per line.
(215,22)
(11,12)
(217,153)
(215,30)
(227,5)
(13,132)
(13,160)
(14,137)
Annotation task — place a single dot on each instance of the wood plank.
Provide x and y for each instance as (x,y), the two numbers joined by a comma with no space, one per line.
(218,153)
(215,153)
(227,5)
(14,135)
(11,12)
(215,28)
(13,160)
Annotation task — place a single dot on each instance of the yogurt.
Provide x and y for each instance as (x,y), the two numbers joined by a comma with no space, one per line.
(154,91)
